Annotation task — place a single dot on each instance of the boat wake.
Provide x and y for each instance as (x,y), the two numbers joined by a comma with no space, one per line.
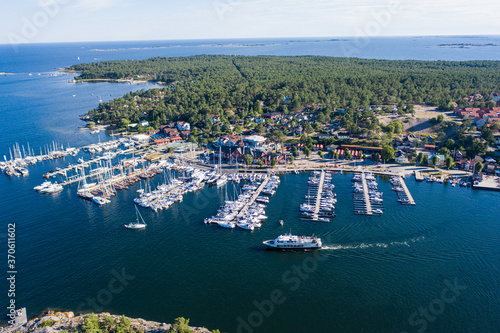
(372,245)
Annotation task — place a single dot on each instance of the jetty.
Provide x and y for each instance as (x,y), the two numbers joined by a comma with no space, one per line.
(321,209)
(253,198)
(419,177)
(317,204)
(363,205)
(366,197)
(491,183)
(405,197)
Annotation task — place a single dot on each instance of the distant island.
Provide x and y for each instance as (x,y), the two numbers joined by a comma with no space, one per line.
(467,45)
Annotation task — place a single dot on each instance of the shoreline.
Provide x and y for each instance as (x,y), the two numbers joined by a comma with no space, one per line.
(52,321)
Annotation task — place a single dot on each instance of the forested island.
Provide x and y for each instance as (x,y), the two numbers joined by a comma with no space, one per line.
(198,86)
(300,95)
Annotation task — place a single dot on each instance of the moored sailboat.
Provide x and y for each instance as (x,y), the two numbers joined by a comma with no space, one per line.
(138,224)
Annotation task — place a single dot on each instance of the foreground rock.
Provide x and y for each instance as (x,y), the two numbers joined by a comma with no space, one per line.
(67,321)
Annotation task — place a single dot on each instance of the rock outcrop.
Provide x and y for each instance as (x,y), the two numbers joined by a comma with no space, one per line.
(54,322)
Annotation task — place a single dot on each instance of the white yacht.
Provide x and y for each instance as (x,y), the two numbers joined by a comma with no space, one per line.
(100,200)
(246,226)
(292,242)
(45,184)
(52,188)
(229,225)
(221,181)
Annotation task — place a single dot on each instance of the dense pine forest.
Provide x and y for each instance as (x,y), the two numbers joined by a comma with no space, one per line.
(199,86)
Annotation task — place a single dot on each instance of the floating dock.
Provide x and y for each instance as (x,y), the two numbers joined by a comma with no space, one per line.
(366,207)
(317,205)
(418,176)
(254,196)
(86,164)
(406,193)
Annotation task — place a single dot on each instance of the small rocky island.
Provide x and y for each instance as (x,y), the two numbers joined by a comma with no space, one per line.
(62,322)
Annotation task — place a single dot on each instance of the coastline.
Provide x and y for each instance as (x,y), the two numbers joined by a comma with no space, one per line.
(68,321)
(77,79)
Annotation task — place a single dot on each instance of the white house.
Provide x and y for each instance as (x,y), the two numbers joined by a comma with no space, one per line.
(401,157)
(183,126)
(144,123)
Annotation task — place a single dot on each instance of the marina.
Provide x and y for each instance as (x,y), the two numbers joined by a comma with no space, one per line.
(404,195)
(248,210)
(361,200)
(21,158)
(320,190)
(367,200)
(171,190)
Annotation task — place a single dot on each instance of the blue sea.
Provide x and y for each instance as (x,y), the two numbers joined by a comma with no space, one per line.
(433,267)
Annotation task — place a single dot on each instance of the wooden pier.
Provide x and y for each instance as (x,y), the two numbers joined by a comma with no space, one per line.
(367,206)
(418,176)
(254,196)
(366,197)
(406,192)
(86,164)
(317,205)
(165,195)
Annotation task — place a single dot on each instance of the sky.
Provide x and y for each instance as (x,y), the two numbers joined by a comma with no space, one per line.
(41,21)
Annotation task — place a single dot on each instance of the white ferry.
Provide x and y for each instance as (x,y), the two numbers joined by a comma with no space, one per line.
(292,242)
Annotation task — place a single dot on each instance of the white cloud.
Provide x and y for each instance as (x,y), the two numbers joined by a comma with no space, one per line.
(96,5)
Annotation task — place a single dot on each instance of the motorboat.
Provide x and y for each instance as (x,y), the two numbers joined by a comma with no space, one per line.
(292,242)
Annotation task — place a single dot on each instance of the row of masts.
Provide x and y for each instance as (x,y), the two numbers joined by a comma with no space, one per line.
(20,152)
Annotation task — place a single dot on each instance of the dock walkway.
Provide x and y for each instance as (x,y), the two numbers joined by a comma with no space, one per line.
(418,176)
(318,196)
(254,196)
(366,207)
(86,164)
(406,191)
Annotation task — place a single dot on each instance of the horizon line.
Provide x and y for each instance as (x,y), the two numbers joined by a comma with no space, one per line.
(248,38)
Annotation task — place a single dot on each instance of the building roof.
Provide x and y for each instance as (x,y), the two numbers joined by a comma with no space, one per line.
(256,138)
(141,137)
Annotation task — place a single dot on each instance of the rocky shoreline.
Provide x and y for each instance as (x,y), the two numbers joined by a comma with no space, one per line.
(52,322)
